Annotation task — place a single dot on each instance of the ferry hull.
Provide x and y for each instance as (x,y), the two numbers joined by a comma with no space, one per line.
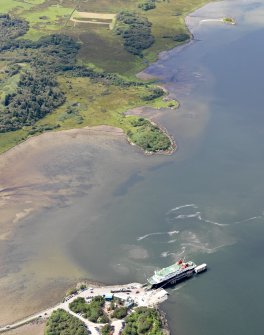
(174,280)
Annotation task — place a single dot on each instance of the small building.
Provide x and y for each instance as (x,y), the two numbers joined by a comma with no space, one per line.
(108,297)
(129,304)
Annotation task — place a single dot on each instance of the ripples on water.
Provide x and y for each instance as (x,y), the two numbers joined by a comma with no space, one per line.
(194,232)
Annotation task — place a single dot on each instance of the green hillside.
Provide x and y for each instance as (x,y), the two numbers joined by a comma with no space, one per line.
(72,63)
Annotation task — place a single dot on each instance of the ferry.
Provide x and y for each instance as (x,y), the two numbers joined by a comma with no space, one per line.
(174,273)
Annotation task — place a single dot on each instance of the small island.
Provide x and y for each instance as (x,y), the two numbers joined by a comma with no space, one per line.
(229,20)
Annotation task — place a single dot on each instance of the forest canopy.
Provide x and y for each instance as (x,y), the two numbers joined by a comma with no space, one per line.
(36,92)
(63,323)
(11,27)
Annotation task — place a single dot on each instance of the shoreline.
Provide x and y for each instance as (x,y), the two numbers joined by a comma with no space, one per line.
(117,131)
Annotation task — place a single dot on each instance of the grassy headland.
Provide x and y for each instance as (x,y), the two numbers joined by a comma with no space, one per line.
(72,63)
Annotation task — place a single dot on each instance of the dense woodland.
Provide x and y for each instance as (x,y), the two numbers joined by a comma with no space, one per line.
(143,321)
(135,31)
(148,136)
(37,95)
(63,323)
(37,92)
(92,311)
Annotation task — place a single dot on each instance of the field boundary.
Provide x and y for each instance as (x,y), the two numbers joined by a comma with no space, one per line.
(78,17)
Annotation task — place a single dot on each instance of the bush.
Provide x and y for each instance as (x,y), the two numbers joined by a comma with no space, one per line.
(78,305)
(181,37)
(135,30)
(106,329)
(147,5)
(154,94)
(120,313)
(72,290)
(92,311)
(11,28)
(143,321)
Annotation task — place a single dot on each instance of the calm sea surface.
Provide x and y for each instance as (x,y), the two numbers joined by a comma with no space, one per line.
(206,202)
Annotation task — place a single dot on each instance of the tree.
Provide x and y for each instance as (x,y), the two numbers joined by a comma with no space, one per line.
(63,323)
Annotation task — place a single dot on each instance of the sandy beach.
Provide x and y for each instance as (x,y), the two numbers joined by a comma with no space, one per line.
(29,329)
(24,188)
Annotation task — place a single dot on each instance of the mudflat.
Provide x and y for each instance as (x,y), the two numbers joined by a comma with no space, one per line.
(43,174)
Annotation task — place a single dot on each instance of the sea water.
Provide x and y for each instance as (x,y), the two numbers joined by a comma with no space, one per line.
(207,204)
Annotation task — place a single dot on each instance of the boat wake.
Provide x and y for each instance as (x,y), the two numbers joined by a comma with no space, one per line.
(172,241)
(148,235)
(180,207)
(167,253)
(187,216)
(170,233)
(196,233)
(198,215)
(249,219)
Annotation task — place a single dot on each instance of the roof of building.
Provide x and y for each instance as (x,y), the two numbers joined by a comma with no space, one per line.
(108,296)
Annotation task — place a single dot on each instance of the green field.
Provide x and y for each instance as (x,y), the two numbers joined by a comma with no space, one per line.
(18,6)
(90,101)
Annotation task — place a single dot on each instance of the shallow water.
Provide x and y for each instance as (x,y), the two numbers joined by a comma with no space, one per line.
(204,203)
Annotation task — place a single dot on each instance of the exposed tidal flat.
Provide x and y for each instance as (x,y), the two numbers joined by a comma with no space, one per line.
(107,213)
